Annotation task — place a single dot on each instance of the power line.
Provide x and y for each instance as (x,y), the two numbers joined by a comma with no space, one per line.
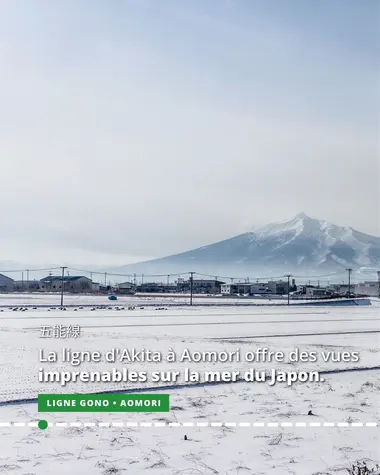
(126,275)
(29,270)
(316,276)
(167,276)
(239,278)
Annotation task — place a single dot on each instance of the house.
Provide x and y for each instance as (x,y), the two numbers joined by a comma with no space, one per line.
(260,288)
(26,285)
(75,283)
(342,289)
(126,288)
(104,289)
(149,287)
(170,288)
(278,287)
(317,292)
(95,287)
(201,286)
(236,288)
(334,288)
(256,288)
(368,288)
(6,283)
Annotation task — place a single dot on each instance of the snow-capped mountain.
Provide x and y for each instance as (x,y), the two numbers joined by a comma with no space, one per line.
(297,245)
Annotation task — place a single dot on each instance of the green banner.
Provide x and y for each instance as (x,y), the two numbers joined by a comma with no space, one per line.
(103,403)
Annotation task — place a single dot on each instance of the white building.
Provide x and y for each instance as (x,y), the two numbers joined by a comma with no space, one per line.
(260,289)
(278,287)
(233,289)
(255,288)
(6,283)
(127,288)
(316,292)
(95,287)
(370,288)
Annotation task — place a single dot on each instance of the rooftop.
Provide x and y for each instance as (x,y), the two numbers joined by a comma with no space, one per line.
(66,278)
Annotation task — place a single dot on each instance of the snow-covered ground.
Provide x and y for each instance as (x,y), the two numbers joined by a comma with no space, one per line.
(290,445)
(140,299)
(218,450)
(41,299)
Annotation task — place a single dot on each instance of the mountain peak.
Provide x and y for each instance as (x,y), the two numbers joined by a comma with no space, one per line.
(302,215)
(299,243)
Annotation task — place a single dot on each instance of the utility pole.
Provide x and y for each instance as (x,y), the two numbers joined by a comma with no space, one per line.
(191,287)
(142,279)
(27,275)
(349,282)
(62,283)
(378,282)
(22,281)
(288,276)
(167,281)
(105,279)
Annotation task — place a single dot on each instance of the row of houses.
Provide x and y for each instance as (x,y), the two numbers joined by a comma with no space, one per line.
(83,284)
(362,289)
(200,286)
(51,283)
(208,286)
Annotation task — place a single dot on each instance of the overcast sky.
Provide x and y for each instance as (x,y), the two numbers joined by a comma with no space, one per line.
(136,129)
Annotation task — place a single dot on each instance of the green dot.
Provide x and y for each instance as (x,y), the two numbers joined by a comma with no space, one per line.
(43,425)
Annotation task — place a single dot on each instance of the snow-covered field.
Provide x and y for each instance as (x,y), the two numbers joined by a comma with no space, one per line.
(41,299)
(293,443)
(96,299)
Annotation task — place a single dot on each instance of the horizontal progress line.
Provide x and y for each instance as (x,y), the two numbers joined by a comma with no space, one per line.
(191,424)
(287,335)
